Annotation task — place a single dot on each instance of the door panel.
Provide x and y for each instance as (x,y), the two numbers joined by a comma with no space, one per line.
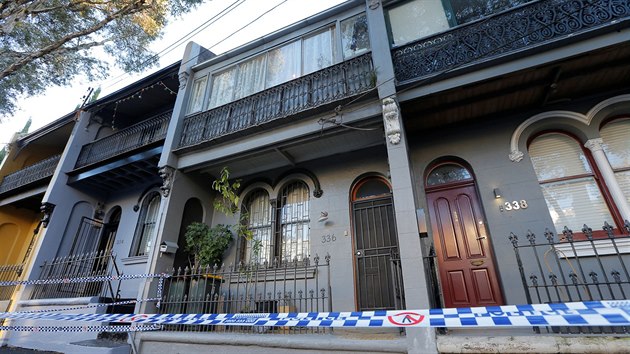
(376,245)
(463,249)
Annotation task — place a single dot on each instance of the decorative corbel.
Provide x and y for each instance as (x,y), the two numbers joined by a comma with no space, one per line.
(374,4)
(391,120)
(516,156)
(167,173)
(47,209)
(183,79)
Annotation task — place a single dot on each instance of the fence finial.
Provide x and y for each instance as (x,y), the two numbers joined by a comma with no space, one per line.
(568,234)
(588,232)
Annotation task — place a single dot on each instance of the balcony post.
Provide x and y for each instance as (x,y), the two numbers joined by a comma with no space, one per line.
(419,340)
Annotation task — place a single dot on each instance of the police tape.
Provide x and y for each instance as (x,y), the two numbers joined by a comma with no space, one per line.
(83,279)
(104,304)
(108,328)
(592,313)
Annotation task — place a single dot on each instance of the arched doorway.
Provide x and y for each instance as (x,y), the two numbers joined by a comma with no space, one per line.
(462,244)
(109,231)
(193,212)
(377,268)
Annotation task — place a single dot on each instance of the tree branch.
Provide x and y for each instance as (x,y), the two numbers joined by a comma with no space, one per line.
(134,7)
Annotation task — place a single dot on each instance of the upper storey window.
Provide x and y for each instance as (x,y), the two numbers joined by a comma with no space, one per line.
(278,65)
(415,19)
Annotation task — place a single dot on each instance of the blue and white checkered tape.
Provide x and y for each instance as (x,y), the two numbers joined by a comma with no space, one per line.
(593,313)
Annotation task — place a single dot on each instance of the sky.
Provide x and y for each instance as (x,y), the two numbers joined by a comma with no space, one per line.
(59,101)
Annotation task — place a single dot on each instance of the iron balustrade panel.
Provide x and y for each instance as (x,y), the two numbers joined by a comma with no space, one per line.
(295,286)
(511,31)
(30,174)
(92,264)
(9,272)
(561,268)
(325,86)
(125,140)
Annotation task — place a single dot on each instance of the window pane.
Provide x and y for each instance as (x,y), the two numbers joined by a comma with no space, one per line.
(222,88)
(416,19)
(469,10)
(371,188)
(196,96)
(354,36)
(557,156)
(258,250)
(294,222)
(251,76)
(616,136)
(574,203)
(318,51)
(623,177)
(149,225)
(448,174)
(283,64)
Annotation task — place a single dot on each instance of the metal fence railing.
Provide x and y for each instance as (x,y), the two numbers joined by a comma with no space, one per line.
(30,174)
(9,272)
(297,286)
(93,264)
(125,140)
(563,268)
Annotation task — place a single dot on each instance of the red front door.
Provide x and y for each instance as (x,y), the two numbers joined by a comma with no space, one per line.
(462,245)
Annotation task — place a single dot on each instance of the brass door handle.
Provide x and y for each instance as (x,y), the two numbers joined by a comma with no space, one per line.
(477,262)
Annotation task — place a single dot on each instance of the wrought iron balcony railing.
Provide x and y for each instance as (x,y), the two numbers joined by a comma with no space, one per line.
(30,174)
(509,32)
(328,85)
(125,140)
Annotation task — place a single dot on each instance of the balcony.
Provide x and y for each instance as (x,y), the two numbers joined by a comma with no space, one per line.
(30,174)
(326,86)
(535,25)
(131,138)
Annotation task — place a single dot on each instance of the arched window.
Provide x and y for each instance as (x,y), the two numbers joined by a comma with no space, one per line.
(616,145)
(569,182)
(294,220)
(447,174)
(147,225)
(258,208)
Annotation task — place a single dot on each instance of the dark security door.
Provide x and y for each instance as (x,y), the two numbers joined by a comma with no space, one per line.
(376,247)
(462,244)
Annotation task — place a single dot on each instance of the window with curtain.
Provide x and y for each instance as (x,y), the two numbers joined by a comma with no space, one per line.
(568,182)
(276,66)
(147,225)
(280,229)
(616,137)
(294,221)
(196,96)
(355,39)
(414,19)
(258,208)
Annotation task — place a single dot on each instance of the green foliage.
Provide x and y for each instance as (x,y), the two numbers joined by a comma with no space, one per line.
(207,244)
(3,153)
(228,200)
(27,126)
(49,42)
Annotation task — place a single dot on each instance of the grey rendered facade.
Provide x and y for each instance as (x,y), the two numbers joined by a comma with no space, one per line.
(457,124)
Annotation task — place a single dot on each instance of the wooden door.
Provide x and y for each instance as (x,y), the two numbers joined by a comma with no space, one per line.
(462,244)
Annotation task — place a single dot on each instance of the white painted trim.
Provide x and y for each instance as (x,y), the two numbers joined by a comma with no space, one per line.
(72,301)
(135,260)
(606,103)
(515,154)
(585,249)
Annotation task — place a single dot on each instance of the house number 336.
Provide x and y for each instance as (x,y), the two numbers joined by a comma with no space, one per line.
(514,205)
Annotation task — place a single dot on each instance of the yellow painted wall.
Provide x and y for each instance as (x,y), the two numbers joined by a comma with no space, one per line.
(16,231)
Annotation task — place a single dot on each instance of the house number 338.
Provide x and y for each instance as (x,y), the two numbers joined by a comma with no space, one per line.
(514,205)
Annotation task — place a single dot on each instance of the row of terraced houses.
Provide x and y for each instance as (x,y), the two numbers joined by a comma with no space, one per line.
(392,155)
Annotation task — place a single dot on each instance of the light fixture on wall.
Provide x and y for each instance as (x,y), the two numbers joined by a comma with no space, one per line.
(497,193)
(323,216)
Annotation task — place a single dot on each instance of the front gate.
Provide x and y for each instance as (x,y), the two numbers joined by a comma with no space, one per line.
(377,267)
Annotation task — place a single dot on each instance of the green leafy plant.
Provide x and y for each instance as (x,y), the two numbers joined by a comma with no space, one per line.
(228,200)
(207,244)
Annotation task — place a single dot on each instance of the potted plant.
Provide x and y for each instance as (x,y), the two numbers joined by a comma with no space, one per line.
(206,245)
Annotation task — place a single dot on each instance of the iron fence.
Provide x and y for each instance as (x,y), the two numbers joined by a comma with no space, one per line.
(30,174)
(296,286)
(9,272)
(93,264)
(565,269)
(125,140)
(523,27)
(344,80)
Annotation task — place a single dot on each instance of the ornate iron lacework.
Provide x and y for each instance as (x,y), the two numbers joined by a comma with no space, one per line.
(328,85)
(522,27)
